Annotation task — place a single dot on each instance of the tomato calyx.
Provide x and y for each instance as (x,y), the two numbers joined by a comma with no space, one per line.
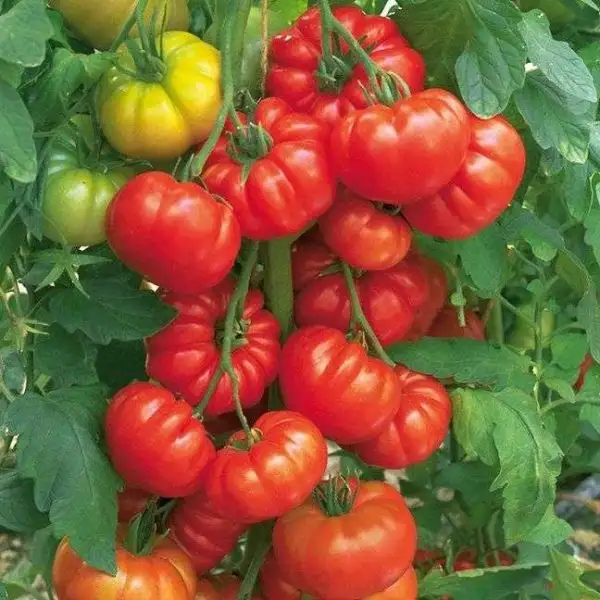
(242,441)
(334,71)
(240,329)
(141,537)
(249,143)
(335,497)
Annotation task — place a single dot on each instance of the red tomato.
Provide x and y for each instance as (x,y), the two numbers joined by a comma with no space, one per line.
(131,503)
(175,234)
(280,190)
(406,588)
(465,560)
(204,535)
(185,354)
(446,325)
(223,586)
(499,558)
(230,422)
(311,259)
(255,481)
(418,428)
(363,235)
(359,552)
(154,442)
(586,365)
(296,57)
(483,187)
(349,396)
(403,153)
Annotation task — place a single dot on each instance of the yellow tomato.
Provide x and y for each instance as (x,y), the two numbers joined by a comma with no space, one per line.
(160,120)
(99,22)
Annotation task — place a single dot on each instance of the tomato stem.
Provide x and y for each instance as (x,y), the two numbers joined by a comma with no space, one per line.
(335,497)
(264,43)
(359,317)
(277,258)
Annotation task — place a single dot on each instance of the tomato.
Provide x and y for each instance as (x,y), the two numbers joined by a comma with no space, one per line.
(363,549)
(296,57)
(78,186)
(363,235)
(131,503)
(418,428)
(204,535)
(350,396)
(185,355)
(403,153)
(259,479)
(154,442)
(586,365)
(164,574)
(483,187)
(110,17)
(406,588)
(279,185)
(446,325)
(523,336)
(499,558)
(175,234)
(311,259)
(230,422)
(220,587)
(161,119)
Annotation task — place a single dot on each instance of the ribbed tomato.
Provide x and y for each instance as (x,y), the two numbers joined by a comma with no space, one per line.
(312,259)
(223,586)
(204,535)
(483,187)
(350,396)
(185,355)
(296,61)
(274,172)
(418,428)
(446,325)
(259,479)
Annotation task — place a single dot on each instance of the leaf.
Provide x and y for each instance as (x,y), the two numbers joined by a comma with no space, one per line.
(17,508)
(289,9)
(589,397)
(518,223)
(568,350)
(566,575)
(551,530)
(113,310)
(11,73)
(576,189)
(73,479)
(17,149)
(467,361)
(42,553)
(24,30)
(504,430)
(592,231)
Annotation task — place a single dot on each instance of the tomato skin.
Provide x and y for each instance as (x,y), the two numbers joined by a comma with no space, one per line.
(184,355)
(276,474)
(131,503)
(403,153)
(185,102)
(288,187)
(364,236)
(348,395)
(154,442)
(175,234)
(349,556)
(483,187)
(418,428)
(586,365)
(203,534)
(110,16)
(165,574)
(446,325)
(296,53)
(220,587)
(310,260)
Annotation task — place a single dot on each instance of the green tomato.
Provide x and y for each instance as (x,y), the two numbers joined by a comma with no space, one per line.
(78,187)
(556,11)
(523,336)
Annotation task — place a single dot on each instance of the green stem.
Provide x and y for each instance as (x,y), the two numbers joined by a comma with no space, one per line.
(480,547)
(495,327)
(277,258)
(361,319)
(519,313)
(259,550)
(565,402)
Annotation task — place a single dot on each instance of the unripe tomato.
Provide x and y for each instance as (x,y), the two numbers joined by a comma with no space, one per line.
(154,442)
(350,396)
(220,587)
(164,574)
(446,325)
(523,336)
(132,502)
(79,186)
(162,118)
(109,17)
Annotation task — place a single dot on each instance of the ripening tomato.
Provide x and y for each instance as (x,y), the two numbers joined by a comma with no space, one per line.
(364,235)
(204,535)
(418,428)
(446,325)
(154,442)
(499,558)
(311,259)
(350,396)
(185,355)
(259,479)
(131,502)
(296,75)
(223,586)
(159,119)
(163,574)
(275,173)
(586,365)
(483,187)
(402,153)
(359,544)
(177,235)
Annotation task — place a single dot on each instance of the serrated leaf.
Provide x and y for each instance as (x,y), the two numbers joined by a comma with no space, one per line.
(504,430)
(589,397)
(518,223)
(568,350)
(550,531)
(592,232)
(76,487)
(18,511)
(467,361)
(42,553)
(113,310)
(576,189)
(566,575)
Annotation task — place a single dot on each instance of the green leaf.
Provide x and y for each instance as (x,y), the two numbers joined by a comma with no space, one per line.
(11,73)
(467,361)
(24,30)
(589,397)
(288,9)
(42,553)
(113,310)
(592,231)
(568,350)
(73,479)
(551,530)
(504,430)
(17,149)
(576,189)
(17,507)
(566,575)
(518,223)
